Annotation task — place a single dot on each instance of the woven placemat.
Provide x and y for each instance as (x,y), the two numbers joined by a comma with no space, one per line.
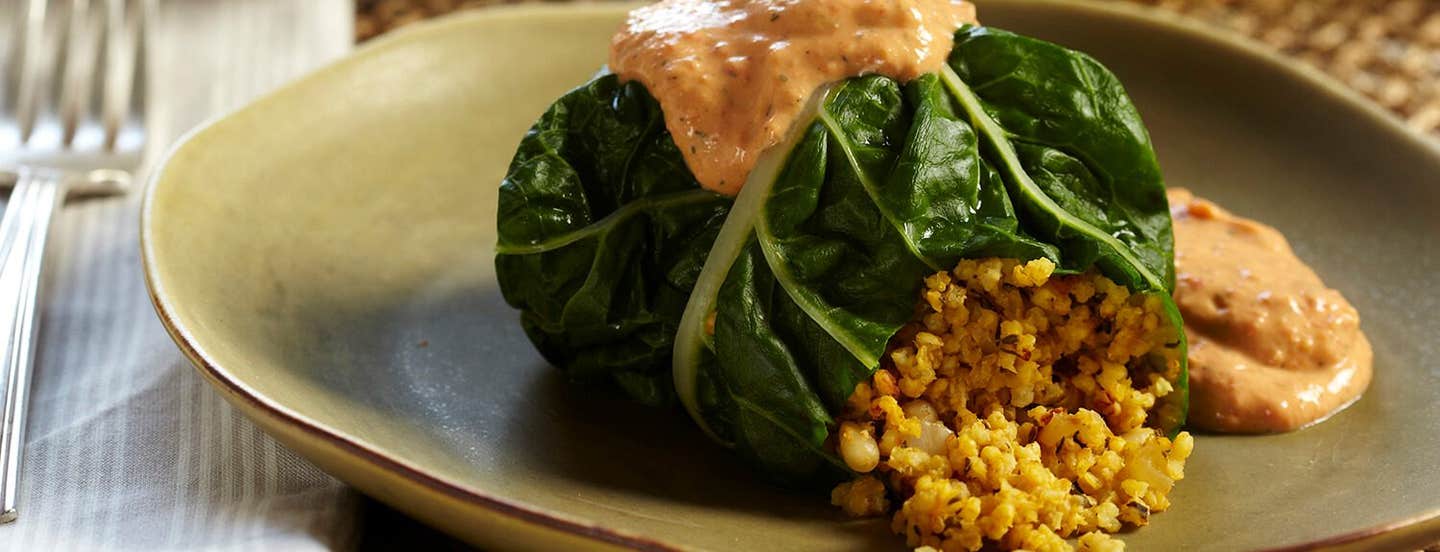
(1388,50)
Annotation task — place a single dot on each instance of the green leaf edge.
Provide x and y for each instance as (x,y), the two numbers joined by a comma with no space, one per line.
(1000,140)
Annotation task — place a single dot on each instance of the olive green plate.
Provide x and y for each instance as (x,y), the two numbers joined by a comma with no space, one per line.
(324,257)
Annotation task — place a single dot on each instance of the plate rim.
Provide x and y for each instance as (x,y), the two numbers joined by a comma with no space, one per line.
(272,415)
(257,405)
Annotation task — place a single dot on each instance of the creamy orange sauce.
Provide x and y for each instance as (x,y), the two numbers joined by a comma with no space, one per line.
(732,76)
(1271,348)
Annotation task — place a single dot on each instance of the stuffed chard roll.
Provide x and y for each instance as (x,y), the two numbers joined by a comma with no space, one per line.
(932,263)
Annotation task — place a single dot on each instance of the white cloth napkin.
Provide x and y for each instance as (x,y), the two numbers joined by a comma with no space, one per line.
(129,449)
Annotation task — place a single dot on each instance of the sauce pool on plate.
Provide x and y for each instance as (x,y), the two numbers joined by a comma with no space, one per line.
(733,76)
(1271,347)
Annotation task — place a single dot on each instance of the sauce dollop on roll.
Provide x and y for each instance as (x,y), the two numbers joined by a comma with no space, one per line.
(732,76)
(1271,347)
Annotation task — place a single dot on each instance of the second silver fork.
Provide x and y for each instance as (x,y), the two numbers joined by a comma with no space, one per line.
(71,123)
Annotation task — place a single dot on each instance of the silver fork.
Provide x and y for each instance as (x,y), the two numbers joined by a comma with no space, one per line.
(71,123)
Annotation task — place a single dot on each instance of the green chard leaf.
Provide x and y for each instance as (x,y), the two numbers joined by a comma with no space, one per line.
(779,304)
(602,232)
(1071,133)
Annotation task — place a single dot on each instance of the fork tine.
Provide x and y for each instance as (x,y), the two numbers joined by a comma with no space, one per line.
(144,14)
(77,84)
(149,16)
(34,68)
(10,12)
(80,56)
(123,27)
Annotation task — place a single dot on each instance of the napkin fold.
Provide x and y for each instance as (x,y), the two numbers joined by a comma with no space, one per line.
(129,448)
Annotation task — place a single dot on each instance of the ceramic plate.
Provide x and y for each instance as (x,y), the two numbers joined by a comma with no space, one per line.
(324,256)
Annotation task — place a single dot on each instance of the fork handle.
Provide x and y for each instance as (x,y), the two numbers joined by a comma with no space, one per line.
(33,202)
